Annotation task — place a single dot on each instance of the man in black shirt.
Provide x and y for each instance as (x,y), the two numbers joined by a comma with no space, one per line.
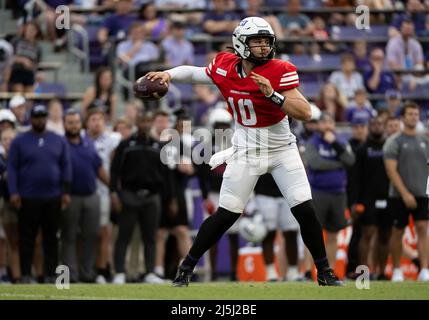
(138,179)
(372,185)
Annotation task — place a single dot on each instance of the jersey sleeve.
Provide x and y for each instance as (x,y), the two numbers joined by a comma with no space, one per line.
(213,65)
(289,78)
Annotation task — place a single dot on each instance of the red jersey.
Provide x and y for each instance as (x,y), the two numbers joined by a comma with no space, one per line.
(247,104)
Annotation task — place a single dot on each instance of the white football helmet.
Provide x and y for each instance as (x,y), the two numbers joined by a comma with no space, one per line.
(251,27)
(252,228)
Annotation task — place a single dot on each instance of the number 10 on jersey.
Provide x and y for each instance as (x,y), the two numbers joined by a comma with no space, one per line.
(246,110)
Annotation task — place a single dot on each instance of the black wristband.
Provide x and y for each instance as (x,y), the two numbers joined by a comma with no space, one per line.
(277,98)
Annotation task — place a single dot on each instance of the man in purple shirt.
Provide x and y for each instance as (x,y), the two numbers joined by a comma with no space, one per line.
(117,24)
(378,80)
(83,214)
(39,176)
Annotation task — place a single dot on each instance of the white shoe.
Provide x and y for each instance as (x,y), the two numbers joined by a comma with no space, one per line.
(398,275)
(293,274)
(153,278)
(119,278)
(271,273)
(100,279)
(423,275)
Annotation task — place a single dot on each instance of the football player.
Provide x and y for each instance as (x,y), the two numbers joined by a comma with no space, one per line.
(261,93)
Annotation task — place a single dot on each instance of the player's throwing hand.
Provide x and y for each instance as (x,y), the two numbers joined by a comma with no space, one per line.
(164,76)
(263,83)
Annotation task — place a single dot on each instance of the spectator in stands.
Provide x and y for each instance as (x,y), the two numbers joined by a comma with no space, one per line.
(393,103)
(253,9)
(331,100)
(27,56)
(373,186)
(136,52)
(82,217)
(105,142)
(360,54)
(6,60)
(347,80)
(320,32)
(393,125)
(360,110)
(101,95)
(132,110)
(404,51)
(138,180)
(7,121)
(206,100)
(55,116)
(18,105)
(377,79)
(9,214)
(327,157)
(415,12)
(116,25)
(124,127)
(155,27)
(405,158)
(221,20)
(176,49)
(295,23)
(39,176)
(161,122)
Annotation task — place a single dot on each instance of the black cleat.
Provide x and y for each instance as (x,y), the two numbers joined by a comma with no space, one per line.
(183,277)
(328,278)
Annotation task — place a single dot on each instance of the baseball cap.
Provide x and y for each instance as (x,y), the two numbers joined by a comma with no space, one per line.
(16,101)
(39,110)
(7,115)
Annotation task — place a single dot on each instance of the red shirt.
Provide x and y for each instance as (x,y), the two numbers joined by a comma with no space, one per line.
(247,104)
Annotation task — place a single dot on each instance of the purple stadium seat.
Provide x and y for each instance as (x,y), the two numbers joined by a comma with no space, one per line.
(352,33)
(56,88)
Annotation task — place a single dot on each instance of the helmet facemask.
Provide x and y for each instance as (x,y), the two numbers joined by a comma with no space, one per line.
(260,61)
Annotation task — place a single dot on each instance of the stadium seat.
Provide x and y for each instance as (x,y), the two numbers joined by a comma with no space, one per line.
(352,33)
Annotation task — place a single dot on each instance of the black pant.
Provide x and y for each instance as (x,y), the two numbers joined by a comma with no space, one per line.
(146,211)
(35,213)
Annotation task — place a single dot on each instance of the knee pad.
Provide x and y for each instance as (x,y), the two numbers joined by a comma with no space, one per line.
(231,203)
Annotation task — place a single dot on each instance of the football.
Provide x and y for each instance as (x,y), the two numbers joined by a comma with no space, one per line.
(149,90)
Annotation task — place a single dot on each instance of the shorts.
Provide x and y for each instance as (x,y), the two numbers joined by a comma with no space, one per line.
(276,213)
(330,209)
(104,210)
(243,171)
(214,197)
(180,219)
(400,213)
(20,75)
(376,214)
(8,214)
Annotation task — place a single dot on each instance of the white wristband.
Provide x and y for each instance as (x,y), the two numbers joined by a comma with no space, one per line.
(315,112)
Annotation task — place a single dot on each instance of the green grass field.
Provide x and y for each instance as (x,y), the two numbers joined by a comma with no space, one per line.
(219,291)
